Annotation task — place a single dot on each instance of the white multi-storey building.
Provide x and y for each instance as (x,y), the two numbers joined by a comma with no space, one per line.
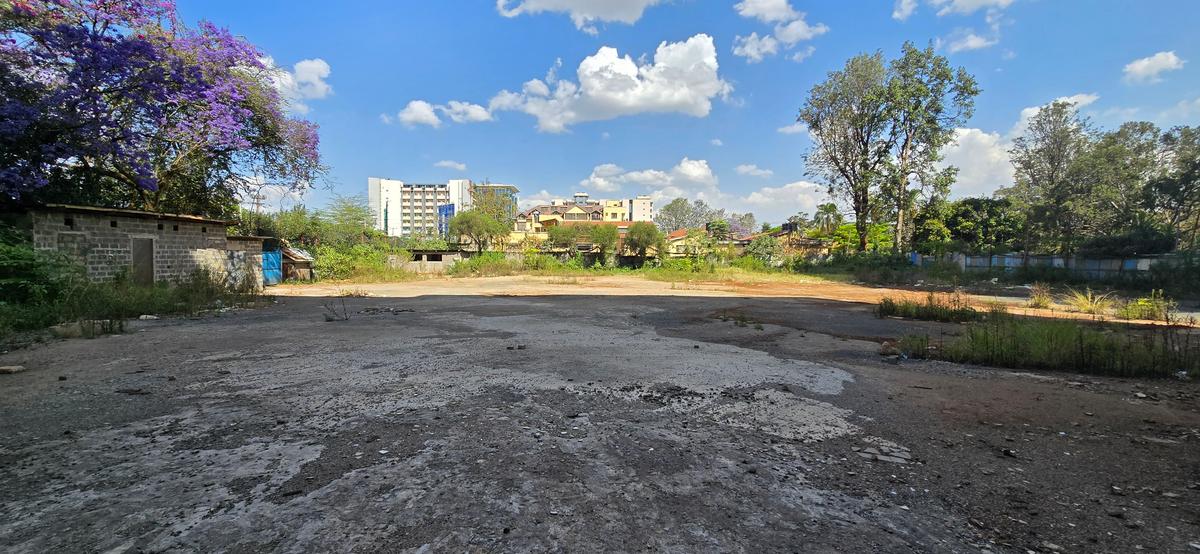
(404,209)
(641,208)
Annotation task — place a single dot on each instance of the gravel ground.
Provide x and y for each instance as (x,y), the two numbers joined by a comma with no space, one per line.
(577,423)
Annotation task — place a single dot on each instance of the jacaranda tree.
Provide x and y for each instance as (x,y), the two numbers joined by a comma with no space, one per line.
(116,102)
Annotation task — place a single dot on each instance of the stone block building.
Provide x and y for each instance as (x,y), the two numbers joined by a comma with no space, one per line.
(146,247)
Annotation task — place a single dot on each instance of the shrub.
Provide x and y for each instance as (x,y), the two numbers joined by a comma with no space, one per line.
(751,263)
(363,262)
(914,346)
(1089,302)
(29,276)
(487,264)
(1155,307)
(532,261)
(1075,346)
(1040,296)
(945,308)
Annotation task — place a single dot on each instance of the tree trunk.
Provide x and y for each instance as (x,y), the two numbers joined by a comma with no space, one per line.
(863,228)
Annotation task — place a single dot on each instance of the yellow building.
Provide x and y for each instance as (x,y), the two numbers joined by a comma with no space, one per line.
(616,210)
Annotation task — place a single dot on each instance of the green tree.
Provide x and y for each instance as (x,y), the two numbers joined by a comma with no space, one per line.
(828,218)
(1051,182)
(847,118)
(926,101)
(347,220)
(479,228)
(765,248)
(641,237)
(604,236)
(718,229)
(681,214)
(562,236)
(1175,194)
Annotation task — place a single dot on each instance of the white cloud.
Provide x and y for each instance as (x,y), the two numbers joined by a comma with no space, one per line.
(584,13)
(755,48)
(605,178)
(465,112)
(793,129)
(682,79)
(306,81)
(419,112)
(804,54)
(754,171)
(967,7)
(716,142)
(386,119)
(689,178)
(451,164)
(967,39)
(539,198)
(778,203)
(1181,113)
(1149,70)
(982,160)
(1080,100)
(903,9)
(767,11)
(798,30)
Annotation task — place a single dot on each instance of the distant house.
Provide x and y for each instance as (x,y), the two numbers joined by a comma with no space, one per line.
(146,247)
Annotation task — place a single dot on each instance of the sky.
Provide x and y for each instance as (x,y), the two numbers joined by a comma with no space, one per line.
(694,98)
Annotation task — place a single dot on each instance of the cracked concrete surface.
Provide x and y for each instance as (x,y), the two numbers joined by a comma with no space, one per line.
(513,424)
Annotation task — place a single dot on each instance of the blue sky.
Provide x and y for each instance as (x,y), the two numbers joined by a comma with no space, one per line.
(698,107)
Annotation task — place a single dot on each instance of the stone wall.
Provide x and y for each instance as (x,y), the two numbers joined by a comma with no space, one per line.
(103,243)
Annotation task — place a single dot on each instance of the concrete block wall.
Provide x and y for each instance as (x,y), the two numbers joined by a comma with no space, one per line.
(103,244)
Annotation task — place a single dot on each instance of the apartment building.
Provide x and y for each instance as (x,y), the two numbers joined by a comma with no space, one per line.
(414,209)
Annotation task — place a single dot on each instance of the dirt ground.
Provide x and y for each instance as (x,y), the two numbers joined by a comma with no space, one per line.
(514,414)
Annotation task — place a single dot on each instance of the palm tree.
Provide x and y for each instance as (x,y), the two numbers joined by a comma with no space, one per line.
(827,218)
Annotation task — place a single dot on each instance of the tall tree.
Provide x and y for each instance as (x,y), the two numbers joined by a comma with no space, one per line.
(847,117)
(1051,185)
(1175,194)
(641,237)
(480,229)
(605,237)
(926,101)
(827,218)
(120,104)
(681,214)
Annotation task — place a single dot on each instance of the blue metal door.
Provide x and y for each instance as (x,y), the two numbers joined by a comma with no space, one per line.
(272,267)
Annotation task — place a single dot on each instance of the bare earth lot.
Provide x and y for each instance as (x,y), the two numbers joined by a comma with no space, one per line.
(595,415)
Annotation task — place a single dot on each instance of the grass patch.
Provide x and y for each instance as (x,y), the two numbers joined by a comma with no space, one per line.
(487,264)
(935,307)
(1155,307)
(1089,302)
(1061,345)
(1040,296)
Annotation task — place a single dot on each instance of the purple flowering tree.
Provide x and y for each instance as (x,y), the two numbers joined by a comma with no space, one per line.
(117,102)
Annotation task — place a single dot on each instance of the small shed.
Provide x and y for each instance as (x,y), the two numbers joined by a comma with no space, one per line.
(296,264)
(147,247)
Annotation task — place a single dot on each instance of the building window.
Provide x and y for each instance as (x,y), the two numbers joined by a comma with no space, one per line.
(204,229)
(434,257)
(174,227)
(112,223)
(69,222)
(160,226)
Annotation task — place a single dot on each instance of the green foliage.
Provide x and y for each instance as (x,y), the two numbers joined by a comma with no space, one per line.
(718,229)
(751,263)
(562,236)
(28,276)
(1147,238)
(1062,345)
(1155,307)
(914,346)
(765,248)
(641,237)
(364,262)
(605,237)
(480,229)
(1089,302)
(1040,296)
(945,308)
(486,264)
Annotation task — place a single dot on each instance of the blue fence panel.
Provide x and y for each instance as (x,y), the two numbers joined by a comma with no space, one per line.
(272,267)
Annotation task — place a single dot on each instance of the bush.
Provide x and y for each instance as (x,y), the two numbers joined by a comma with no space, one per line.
(1040,296)
(487,264)
(751,263)
(1155,307)
(533,261)
(945,308)
(30,276)
(1089,302)
(363,262)
(1074,346)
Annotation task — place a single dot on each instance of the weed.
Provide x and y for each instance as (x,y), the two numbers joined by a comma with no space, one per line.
(353,293)
(914,346)
(1040,296)
(1156,307)
(335,311)
(1089,302)
(487,264)
(946,308)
